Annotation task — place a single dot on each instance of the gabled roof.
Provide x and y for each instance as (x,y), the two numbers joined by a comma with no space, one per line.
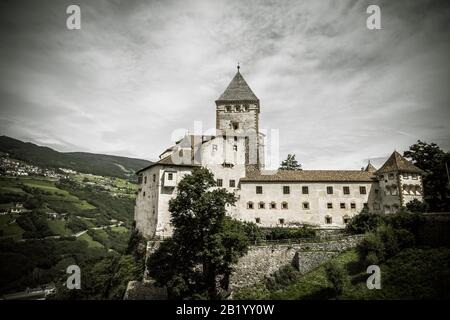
(397,162)
(167,161)
(237,90)
(309,176)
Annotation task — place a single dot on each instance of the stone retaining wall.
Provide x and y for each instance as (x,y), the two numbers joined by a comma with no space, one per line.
(261,261)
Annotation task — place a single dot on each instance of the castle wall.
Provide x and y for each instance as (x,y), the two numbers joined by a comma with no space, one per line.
(146,207)
(295,213)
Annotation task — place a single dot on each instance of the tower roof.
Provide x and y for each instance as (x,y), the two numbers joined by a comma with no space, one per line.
(237,90)
(370,168)
(397,162)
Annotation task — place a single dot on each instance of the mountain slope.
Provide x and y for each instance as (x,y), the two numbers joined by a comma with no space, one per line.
(99,164)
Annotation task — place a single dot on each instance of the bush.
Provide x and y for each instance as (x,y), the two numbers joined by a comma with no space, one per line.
(281,278)
(364,222)
(371,249)
(253,232)
(336,276)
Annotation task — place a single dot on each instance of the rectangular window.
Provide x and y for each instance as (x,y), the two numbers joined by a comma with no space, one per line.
(362,190)
(170,176)
(305,190)
(284,205)
(261,205)
(329,190)
(328,220)
(232,183)
(154,177)
(286,190)
(346,190)
(281,221)
(258,220)
(329,205)
(140,179)
(273,205)
(259,190)
(219,182)
(353,205)
(342,205)
(145,179)
(249,205)
(305,205)
(235,138)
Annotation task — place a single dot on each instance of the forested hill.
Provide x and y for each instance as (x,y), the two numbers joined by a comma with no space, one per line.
(99,164)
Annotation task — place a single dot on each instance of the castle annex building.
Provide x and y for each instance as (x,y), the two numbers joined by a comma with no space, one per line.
(235,155)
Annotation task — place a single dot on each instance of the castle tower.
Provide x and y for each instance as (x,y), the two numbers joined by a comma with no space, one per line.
(400,182)
(237,113)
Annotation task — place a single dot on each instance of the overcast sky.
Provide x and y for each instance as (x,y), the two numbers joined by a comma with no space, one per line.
(137,70)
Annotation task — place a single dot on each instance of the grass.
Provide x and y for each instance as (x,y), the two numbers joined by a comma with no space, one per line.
(120,229)
(59,227)
(10,230)
(90,241)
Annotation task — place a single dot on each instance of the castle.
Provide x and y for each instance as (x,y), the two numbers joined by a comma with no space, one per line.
(235,155)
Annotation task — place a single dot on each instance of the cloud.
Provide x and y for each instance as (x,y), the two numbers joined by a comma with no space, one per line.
(138,70)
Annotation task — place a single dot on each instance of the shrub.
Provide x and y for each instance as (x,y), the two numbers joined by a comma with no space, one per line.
(371,249)
(253,232)
(336,276)
(282,277)
(364,222)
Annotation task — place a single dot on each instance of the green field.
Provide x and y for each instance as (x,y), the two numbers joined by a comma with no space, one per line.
(90,241)
(8,229)
(59,227)
(120,229)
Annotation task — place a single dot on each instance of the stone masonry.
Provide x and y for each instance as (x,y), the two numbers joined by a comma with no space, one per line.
(261,261)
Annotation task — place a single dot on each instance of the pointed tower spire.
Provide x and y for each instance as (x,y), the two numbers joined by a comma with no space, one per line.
(237,91)
(370,167)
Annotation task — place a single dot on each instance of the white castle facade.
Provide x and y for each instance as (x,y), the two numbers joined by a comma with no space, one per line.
(235,155)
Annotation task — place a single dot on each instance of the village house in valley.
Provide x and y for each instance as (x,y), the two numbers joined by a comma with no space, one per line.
(235,155)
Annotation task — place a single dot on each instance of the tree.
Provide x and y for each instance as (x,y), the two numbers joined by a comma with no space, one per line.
(433,160)
(290,163)
(196,261)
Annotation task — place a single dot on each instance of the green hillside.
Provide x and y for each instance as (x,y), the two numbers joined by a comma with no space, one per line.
(99,164)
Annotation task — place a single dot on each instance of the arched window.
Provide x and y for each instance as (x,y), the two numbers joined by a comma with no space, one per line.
(284,205)
(328,220)
(261,205)
(249,205)
(273,205)
(346,219)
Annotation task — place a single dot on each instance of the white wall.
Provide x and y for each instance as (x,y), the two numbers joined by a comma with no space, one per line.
(317,198)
